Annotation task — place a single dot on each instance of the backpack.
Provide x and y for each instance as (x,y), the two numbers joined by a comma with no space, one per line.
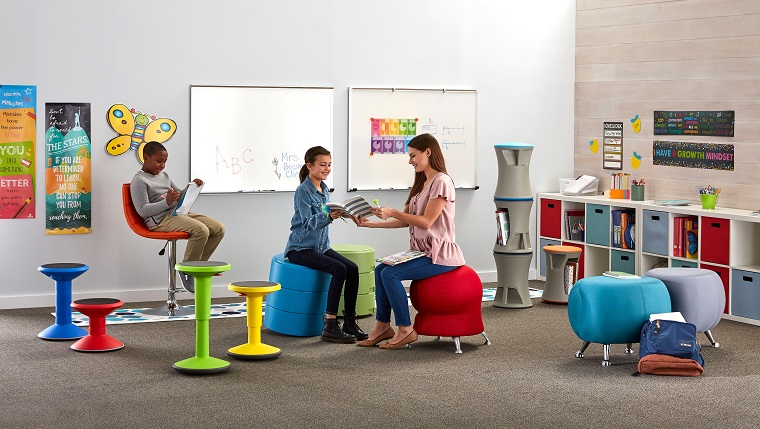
(663,338)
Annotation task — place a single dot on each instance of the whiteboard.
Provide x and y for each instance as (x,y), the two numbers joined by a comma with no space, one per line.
(381,161)
(253,139)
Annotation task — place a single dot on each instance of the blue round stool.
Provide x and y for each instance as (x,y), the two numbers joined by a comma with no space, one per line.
(608,311)
(298,307)
(63,273)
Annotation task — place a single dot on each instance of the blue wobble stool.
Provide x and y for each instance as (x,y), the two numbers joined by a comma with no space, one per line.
(63,273)
(608,311)
(298,307)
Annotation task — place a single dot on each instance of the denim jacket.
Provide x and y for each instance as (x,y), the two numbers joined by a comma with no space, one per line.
(308,228)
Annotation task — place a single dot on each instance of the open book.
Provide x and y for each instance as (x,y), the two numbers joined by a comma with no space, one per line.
(356,206)
(620,275)
(187,198)
(401,257)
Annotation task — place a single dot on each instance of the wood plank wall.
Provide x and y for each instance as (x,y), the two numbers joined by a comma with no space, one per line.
(637,56)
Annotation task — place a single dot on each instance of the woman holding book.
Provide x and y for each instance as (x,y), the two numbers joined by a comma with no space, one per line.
(309,245)
(429,215)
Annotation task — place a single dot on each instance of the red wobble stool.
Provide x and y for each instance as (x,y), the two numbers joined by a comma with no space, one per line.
(97,309)
(448,305)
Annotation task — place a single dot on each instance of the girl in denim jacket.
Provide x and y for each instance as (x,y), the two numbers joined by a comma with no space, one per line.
(309,245)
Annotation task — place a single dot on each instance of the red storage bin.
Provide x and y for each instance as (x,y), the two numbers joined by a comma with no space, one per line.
(580,259)
(715,240)
(551,218)
(723,273)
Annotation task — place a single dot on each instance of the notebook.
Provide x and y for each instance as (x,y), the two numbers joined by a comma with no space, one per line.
(401,257)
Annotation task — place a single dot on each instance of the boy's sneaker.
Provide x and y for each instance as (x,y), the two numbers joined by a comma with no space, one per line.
(188,282)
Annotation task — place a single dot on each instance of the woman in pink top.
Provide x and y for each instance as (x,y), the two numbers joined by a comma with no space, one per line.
(429,214)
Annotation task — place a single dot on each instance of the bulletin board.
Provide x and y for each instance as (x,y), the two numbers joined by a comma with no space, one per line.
(381,122)
(253,139)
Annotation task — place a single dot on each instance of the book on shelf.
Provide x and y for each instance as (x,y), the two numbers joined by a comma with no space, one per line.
(401,257)
(354,206)
(627,230)
(187,198)
(620,275)
(690,238)
(571,275)
(575,221)
(502,226)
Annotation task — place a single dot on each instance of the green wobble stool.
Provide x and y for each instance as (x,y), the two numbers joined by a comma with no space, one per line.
(202,363)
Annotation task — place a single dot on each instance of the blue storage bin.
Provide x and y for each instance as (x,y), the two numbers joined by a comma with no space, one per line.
(745,294)
(677,263)
(623,261)
(598,224)
(655,233)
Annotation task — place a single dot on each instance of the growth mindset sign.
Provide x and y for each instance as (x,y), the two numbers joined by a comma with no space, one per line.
(693,155)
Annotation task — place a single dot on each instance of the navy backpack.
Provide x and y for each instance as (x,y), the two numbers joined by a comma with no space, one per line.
(668,337)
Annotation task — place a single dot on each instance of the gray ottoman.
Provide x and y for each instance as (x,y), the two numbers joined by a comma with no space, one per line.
(696,293)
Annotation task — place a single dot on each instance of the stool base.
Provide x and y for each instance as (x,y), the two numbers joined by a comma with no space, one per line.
(166,311)
(97,343)
(62,332)
(251,351)
(197,365)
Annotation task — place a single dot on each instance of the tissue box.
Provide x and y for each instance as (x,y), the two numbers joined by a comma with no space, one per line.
(592,190)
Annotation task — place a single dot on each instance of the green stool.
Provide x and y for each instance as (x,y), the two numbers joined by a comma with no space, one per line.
(202,363)
(364,258)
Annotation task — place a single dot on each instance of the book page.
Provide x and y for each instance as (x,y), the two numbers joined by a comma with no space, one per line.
(187,198)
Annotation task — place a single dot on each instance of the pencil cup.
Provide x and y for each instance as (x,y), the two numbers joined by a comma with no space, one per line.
(637,192)
(708,201)
(618,194)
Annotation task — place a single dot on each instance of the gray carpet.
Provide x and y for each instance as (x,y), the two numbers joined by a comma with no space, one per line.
(529,377)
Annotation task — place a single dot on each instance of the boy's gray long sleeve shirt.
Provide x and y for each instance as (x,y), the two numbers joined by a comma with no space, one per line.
(149,196)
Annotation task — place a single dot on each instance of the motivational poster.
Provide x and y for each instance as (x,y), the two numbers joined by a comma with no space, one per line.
(693,155)
(68,169)
(18,131)
(695,123)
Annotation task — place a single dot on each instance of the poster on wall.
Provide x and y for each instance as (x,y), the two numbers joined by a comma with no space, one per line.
(18,133)
(695,123)
(68,168)
(612,146)
(693,155)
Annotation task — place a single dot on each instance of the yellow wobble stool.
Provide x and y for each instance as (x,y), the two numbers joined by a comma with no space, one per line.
(254,292)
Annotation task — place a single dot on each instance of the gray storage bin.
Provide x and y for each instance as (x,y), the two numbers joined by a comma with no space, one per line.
(545,242)
(655,237)
(745,294)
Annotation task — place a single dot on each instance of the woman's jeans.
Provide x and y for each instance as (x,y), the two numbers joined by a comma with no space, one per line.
(340,268)
(390,292)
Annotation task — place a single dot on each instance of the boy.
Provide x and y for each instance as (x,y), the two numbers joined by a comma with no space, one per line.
(155,196)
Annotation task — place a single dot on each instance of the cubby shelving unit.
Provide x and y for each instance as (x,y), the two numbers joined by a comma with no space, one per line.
(728,243)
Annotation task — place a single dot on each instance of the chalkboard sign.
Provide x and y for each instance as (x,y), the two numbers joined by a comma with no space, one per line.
(382,121)
(253,139)
(695,123)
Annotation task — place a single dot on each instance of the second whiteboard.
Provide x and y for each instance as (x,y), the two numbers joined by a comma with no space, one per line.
(382,121)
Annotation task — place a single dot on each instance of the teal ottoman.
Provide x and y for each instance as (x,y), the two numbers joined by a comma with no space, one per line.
(607,310)
(298,307)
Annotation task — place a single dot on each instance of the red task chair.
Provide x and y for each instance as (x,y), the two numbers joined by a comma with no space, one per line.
(135,221)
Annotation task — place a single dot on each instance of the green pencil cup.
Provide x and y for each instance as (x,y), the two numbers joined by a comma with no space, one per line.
(708,201)
(637,192)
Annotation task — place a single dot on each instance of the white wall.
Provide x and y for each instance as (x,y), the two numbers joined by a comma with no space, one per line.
(519,56)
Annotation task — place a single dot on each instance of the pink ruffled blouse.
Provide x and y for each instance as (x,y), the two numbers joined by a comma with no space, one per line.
(438,241)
